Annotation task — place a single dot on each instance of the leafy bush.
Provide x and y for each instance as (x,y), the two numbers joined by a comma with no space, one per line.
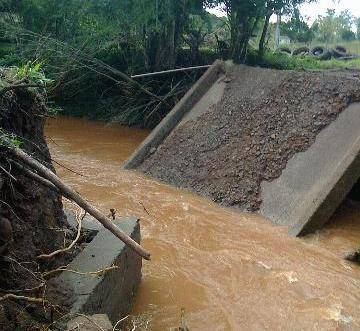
(122,57)
(206,56)
(275,60)
(10,60)
(348,35)
(32,73)
(5,49)
(9,138)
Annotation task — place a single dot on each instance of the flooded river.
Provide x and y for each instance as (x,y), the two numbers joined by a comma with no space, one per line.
(229,271)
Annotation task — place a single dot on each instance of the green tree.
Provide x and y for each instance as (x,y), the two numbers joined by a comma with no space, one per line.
(280,7)
(348,35)
(332,27)
(243,17)
(196,29)
(357,24)
(297,29)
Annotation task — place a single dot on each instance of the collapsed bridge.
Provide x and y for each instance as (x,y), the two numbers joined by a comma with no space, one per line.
(282,143)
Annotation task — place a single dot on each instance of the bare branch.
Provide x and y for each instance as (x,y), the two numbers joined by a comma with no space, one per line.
(8,173)
(24,298)
(89,273)
(64,250)
(119,321)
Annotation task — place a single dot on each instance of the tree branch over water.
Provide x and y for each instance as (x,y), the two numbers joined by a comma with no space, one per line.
(71,194)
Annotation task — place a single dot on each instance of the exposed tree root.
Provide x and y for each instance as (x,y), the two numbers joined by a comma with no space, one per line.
(89,273)
(64,250)
(11,296)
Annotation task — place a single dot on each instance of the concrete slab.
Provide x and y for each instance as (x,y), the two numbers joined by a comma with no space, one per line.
(312,185)
(185,105)
(210,99)
(112,293)
(316,181)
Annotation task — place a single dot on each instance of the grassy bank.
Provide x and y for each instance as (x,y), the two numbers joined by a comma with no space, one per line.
(352,47)
(282,61)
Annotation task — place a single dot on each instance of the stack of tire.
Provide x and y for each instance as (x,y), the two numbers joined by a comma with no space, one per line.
(285,50)
(339,52)
(321,53)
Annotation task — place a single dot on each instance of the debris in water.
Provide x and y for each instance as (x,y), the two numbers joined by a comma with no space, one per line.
(262,264)
(291,277)
(334,313)
(183,326)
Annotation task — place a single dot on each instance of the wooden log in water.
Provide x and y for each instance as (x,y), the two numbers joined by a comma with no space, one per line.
(78,199)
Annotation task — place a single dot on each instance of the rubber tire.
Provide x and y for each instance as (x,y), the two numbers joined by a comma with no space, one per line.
(301,51)
(348,57)
(285,50)
(324,54)
(339,51)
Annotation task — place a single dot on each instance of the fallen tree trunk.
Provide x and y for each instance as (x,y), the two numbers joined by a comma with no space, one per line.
(76,197)
(37,178)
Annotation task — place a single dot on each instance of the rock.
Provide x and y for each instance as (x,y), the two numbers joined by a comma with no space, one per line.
(91,323)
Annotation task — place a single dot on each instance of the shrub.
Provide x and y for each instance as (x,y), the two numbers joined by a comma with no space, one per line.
(348,35)
(282,61)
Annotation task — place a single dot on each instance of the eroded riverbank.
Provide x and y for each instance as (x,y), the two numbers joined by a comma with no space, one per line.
(230,271)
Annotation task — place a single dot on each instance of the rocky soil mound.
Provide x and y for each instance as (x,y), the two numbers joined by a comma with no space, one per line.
(264,118)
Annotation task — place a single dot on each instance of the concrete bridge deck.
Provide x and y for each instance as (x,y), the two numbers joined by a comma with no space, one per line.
(313,183)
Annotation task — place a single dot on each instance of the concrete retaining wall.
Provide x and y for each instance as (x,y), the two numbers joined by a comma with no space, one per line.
(316,181)
(164,128)
(113,293)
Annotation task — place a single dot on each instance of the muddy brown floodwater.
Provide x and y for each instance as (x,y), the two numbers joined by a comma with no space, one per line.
(230,271)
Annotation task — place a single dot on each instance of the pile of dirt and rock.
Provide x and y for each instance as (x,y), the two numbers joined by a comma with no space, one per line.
(32,221)
(264,118)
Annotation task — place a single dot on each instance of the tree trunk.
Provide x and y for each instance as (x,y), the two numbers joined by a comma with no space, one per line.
(165,53)
(244,35)
(277,31)
(263,35)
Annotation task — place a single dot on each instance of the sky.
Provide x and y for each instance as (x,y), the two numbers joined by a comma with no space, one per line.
(312,10)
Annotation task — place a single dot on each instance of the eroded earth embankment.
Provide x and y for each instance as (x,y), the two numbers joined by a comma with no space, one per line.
(264,118)
(32,221)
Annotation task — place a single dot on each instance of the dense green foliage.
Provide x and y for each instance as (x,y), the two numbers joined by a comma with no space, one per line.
(297,29)
(86,46)
(89,48)
(326,29)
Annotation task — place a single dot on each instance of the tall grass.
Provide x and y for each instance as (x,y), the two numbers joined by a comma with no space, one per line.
(282,61)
